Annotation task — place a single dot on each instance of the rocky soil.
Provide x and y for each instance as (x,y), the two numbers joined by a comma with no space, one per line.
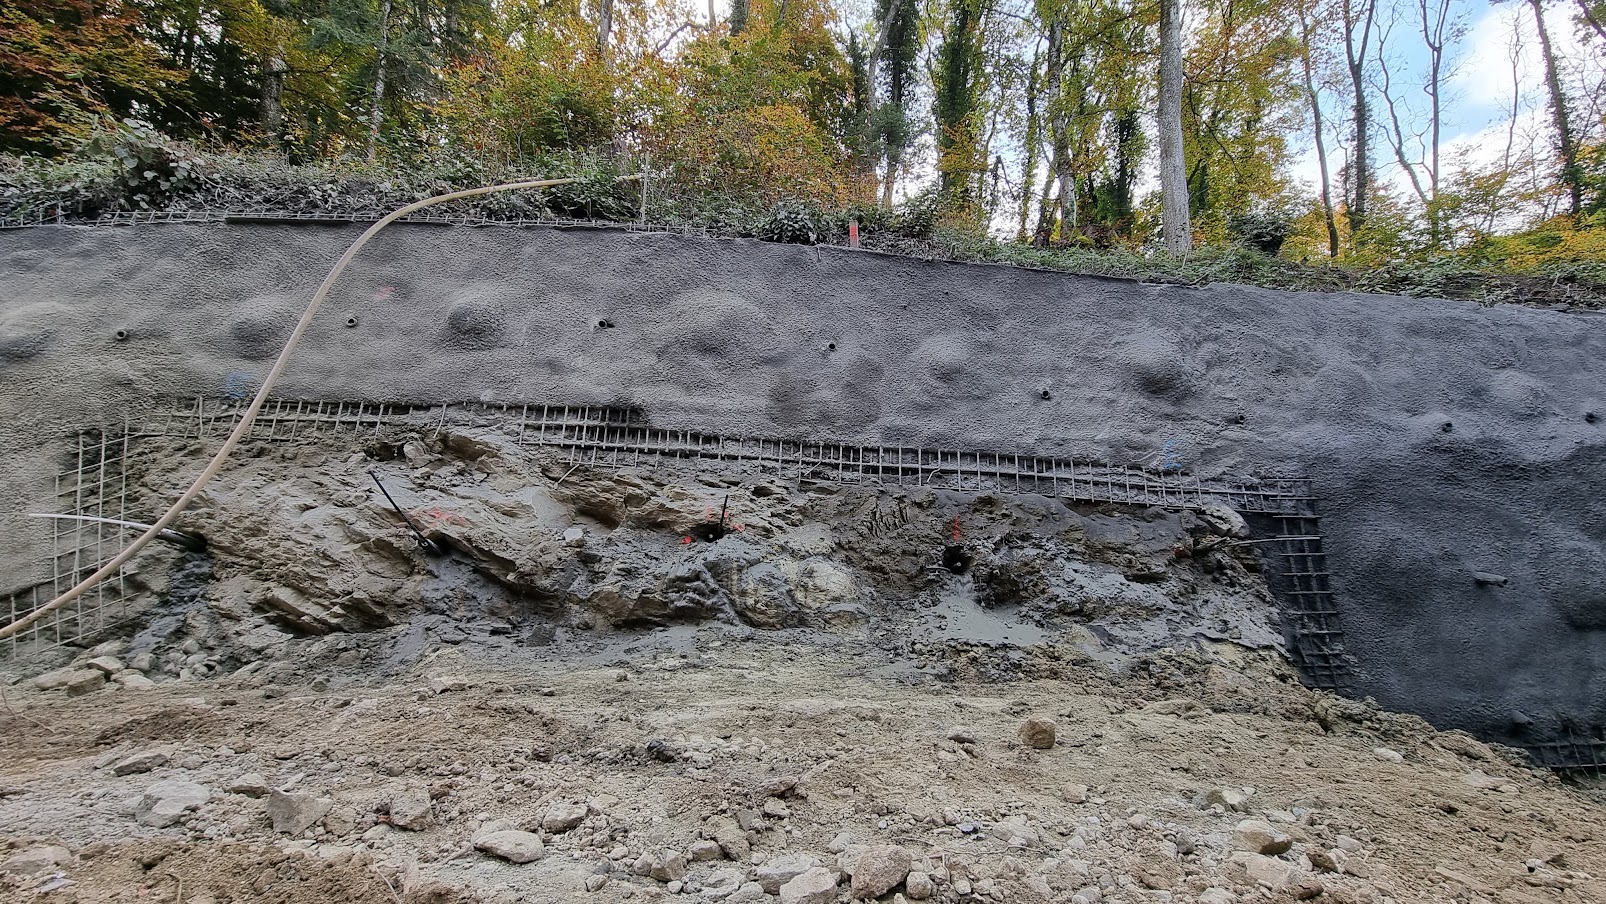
(724,685)
(705,764)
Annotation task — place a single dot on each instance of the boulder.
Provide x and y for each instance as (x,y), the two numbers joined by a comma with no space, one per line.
(1038,733)
(879,869)
(816,885)
(410,809)
(561,817)
(251,784)
(512,845)
(1260,837)
(36,861)
(144,761)
(295,812)
(85,681)
(166,802)
(783,869)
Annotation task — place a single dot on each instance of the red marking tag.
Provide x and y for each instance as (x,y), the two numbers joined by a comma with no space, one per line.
(956,528)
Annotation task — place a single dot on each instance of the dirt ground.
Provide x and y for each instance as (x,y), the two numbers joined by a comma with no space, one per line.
(767,757)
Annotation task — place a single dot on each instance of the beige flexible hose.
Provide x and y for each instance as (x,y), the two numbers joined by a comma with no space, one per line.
(244,426)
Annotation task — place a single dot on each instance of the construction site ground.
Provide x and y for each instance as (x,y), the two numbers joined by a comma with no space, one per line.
(715,763)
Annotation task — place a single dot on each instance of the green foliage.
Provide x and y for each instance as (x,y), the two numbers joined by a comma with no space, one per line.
(1263,232)
(151,168)
(795,223)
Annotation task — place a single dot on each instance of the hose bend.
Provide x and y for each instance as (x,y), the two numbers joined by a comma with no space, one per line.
(244,426)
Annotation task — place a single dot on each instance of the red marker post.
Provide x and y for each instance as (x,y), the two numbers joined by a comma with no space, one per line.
(853,233)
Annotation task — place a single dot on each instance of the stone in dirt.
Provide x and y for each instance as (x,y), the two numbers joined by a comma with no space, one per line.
(879,869)
(512,845)
(664,866)
(36,860)
(166,802)
(705,849)
(107,665)
(410,809)
(54,680)
(1260,837)
(919,886)
(251,784)
(133,681)
(561,817)
(1268,871)
(1230,799)
(783,869)
(1038,733)
(85,681)
(816,885)
(144,761)
(295,812)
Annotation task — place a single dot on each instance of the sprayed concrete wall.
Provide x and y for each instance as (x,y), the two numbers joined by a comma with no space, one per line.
(1444,438)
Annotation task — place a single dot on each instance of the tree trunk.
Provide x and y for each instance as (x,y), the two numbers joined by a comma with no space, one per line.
(379,79)
(273,73)
(1321,141)
(1033,146)
(1174,222)
(1361,166)
(1566,142)
(604,30)
(892,176)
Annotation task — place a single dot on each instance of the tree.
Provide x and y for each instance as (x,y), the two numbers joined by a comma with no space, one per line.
(66,61)
(1175,223)
(1307,33)
(1437,25)
(1358,17)
(1566,139)
(958,90)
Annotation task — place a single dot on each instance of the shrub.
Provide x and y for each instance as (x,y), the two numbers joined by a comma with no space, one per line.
(1263,232)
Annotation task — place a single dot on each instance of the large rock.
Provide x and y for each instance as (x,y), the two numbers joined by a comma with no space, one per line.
(781,870)
(879,870)
(919,886)
(251,784)
(816,885)
(108,665)
(665,866)
(295,812)
(561,817)
(54,680)
(166,802)
(1268,871)
(410,809)
(1038,733)
(512,845)
(1260,837)
(36,861)
(85,681)
(144,761)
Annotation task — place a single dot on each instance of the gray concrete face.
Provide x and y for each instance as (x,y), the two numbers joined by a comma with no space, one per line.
(1444,438)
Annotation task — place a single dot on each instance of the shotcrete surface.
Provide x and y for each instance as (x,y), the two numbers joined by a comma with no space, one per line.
(1444,438)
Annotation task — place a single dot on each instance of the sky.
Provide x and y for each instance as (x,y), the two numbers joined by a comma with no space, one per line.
(1482,79)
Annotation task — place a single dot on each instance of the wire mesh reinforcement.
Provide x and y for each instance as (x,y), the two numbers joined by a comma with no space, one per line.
(614,437)
(1571,752)
(55,217)
(94,485)
(620,437)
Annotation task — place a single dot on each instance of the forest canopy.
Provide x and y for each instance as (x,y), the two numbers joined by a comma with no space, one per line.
(1347,132)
